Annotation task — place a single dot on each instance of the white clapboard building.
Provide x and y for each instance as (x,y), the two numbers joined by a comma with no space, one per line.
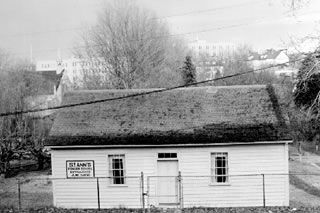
(199,146)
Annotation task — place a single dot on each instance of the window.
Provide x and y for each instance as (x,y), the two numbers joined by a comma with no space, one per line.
(167,155)
(117,169)
(219,167)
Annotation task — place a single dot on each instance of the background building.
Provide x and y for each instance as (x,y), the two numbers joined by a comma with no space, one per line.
(209,69)
(269,57)
(273,57)
(75,69)
(202,47)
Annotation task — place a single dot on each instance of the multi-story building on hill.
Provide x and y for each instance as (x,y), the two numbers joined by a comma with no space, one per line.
(204,48)
(209,69)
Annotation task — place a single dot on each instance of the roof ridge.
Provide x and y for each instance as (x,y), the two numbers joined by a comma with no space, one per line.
(154,89)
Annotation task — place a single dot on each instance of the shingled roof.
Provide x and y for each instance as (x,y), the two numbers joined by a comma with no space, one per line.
(43,82)
(182,116)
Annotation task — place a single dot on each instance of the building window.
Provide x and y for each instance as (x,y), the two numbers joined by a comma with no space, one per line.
(167,155)
(117,169)
(219,167)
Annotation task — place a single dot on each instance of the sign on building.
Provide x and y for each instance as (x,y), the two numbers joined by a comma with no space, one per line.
(80,169)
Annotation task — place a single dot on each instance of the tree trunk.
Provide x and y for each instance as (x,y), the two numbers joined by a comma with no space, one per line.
(40,160)
(1,168)
(6,168)
(299,147)
(5,162)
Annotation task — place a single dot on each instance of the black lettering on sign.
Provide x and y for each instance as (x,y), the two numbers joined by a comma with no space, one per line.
(78,169)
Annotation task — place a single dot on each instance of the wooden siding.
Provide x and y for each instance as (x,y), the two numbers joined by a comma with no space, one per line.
(194,164)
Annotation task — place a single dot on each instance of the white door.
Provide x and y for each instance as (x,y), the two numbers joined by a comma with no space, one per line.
(167,192)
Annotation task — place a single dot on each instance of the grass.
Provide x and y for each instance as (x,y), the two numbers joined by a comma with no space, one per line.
(28,200)
(298,197)
(35,188)
(304,189)
(310,147)
(300,184)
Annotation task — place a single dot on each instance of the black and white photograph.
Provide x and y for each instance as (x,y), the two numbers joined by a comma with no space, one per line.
(159,106)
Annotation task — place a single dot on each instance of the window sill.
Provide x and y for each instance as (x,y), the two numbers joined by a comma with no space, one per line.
(118,185)
(219,184)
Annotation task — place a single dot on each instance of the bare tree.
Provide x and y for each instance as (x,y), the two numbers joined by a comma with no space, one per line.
(38,130)
(18,133)
(296,4)
(134,48)
(12,128)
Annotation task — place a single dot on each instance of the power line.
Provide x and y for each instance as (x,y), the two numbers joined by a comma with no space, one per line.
(211,10)
(145,93)
(257,21)
(159,18)
(157,37)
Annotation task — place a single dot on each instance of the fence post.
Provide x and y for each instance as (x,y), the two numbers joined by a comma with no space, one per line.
(19,193)
(180,190)
(142,189)
(264,191)
(148,193)
(98,193)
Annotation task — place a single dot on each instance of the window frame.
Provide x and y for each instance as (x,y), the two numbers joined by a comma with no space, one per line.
(214,168)
(167,156)
(122,171)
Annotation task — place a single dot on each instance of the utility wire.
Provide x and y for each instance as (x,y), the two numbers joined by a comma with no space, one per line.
(152,38)
(211,10)
(159,18)
(145,93)
(257,21)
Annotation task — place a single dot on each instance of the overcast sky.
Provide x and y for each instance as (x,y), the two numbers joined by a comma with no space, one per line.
(46,25)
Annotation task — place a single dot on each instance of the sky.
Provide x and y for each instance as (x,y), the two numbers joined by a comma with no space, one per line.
(36,29)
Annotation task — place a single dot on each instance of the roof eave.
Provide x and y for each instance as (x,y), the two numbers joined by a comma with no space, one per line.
(168,145)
